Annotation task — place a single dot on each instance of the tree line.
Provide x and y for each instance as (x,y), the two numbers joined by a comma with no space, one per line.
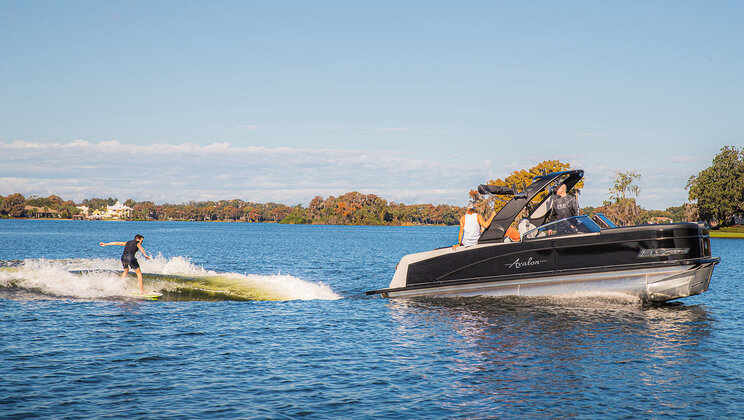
(353,208)
(716,195)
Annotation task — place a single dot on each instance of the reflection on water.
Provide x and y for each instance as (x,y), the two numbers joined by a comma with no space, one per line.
(516,350)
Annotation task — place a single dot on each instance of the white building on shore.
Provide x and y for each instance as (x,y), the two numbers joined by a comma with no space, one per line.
(119,211)
(84,211)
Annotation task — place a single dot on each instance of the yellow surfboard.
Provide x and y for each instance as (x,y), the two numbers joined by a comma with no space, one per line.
(146,295)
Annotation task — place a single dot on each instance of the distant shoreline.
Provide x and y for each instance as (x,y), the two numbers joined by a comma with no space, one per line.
(351,208)
(54,219)
(713,233)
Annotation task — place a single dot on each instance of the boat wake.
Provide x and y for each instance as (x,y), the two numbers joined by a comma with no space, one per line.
(176,278)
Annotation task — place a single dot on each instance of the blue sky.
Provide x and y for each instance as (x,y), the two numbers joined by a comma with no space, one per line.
(416,101)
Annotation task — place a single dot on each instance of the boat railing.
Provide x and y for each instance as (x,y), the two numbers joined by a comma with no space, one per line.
(567,226)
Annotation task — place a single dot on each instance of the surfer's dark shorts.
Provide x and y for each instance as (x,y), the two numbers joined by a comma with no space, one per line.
(128,261)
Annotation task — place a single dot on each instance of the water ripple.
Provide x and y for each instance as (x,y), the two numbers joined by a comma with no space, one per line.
(351,357)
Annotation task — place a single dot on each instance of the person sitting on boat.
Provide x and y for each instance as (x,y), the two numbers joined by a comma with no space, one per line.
(525,225)
(512,235)
(471,224)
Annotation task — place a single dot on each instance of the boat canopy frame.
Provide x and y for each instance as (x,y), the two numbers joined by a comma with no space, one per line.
(504,218)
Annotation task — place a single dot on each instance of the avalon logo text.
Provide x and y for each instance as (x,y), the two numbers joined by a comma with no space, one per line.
(529,262)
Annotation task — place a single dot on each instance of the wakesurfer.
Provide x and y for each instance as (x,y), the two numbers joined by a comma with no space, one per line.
(128,259)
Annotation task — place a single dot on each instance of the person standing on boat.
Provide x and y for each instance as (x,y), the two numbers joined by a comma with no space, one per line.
(470,227)
(563,205)
(128,258)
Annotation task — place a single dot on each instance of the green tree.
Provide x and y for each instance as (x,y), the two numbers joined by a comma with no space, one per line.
(677,213)
(297,217)
(51,202)
(623,210)
(625,186)
(589,211)
(144,211)
(14,205)
(99,203)
(718,190)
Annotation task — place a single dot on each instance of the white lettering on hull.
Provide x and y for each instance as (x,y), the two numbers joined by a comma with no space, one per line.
(530,262)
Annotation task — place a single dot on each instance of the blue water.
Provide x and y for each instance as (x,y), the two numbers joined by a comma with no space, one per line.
(73,345)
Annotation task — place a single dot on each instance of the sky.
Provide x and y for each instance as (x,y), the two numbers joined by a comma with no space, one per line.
(415,101)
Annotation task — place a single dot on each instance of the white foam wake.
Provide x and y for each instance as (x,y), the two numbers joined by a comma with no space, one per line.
(54,278)
(100,278)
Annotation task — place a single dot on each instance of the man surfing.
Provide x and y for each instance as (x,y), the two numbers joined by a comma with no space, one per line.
(129,260)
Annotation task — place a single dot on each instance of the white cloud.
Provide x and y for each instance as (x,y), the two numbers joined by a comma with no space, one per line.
(188,171)
(248,126)
(179,173)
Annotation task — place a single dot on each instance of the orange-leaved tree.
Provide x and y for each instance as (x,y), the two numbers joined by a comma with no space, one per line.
(519,180)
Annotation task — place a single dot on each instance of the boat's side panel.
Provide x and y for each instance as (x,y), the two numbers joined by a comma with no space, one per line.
(595,251)
(613,249)
(484,261)
(655,263)
(652,285)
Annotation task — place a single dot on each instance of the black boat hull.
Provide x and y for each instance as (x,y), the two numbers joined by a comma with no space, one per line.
(654,263)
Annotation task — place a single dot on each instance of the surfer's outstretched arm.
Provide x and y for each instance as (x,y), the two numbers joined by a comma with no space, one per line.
(113,243)
(142,250)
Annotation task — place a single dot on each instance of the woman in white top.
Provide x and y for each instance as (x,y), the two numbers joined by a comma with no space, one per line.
(470,227)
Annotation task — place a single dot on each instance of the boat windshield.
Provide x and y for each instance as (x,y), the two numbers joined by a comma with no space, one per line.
(604,221)
(567,226)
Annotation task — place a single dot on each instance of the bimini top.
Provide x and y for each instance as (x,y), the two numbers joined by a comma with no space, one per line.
(507,214)
(495,189)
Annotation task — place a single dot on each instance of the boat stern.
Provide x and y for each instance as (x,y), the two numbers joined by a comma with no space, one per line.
(689,283)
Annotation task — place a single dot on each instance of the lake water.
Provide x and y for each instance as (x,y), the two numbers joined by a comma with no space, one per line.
(264,320)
